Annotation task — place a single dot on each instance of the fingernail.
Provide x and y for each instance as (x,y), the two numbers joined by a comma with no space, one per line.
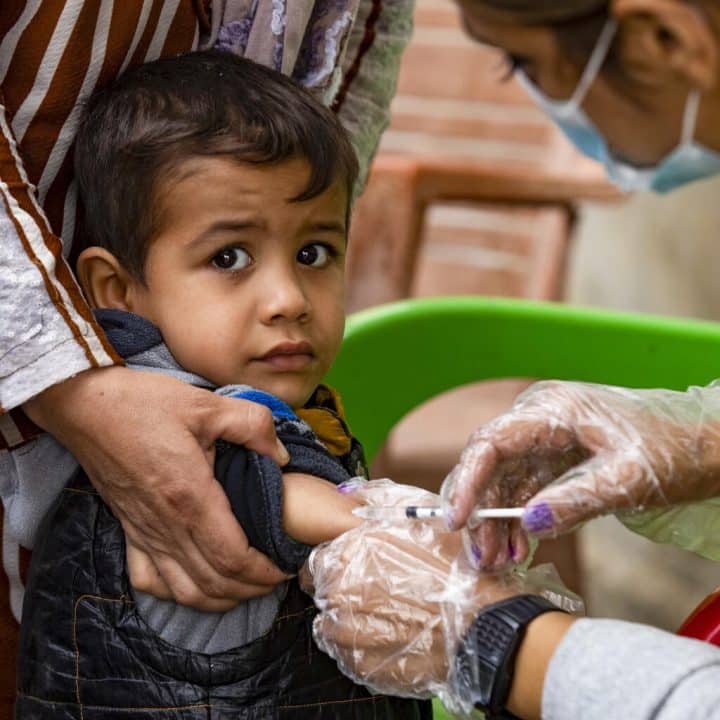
(349,486)
(449,518)
(476,554)
(511,550)
(283,454)
(538,518)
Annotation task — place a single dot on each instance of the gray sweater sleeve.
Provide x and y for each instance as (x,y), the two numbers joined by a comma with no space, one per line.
(609,669)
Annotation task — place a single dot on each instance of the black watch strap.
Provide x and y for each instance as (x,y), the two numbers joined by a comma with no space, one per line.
(485,662)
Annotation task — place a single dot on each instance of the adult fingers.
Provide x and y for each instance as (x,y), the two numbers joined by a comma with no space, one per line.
(597,487)
(143,573)
(383,647)
(221,542)
(469,478)
(519,544)
(489,538)
(204,584)
(244,423)
(185,591)
(498,544)
(521,446)
(306,580)
(477,472)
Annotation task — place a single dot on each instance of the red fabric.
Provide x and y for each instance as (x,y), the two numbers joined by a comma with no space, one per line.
(704,621)
(9,630)
(25,426)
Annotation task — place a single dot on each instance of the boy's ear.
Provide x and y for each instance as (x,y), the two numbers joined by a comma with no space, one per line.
(104,280)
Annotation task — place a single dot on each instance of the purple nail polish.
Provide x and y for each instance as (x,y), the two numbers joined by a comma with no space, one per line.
(511,550)
(349,486)
(476,553)
(538,518)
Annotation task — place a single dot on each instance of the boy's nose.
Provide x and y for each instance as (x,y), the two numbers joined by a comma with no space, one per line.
(285,299)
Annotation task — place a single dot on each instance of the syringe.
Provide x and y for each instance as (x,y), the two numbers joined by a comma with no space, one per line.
(536,518)
(415,512)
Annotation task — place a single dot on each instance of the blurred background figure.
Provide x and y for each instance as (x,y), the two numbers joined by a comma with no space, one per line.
(475,192)
(657,254)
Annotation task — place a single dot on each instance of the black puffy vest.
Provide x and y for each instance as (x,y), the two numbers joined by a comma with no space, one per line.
(85,654)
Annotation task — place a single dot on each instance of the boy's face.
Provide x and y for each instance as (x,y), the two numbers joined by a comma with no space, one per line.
(245,286)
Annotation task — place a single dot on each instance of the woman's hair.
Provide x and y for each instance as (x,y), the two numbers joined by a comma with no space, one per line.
(542,12)
(140,129)
(575,23)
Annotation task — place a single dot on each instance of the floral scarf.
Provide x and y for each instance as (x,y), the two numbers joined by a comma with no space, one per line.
(302,39)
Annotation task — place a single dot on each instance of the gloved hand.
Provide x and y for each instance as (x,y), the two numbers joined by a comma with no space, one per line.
(396,598)
(570,451)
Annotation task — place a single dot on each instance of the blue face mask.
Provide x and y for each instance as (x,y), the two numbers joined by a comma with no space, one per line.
(689,161)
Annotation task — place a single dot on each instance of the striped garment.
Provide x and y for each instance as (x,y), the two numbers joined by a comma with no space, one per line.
(53,55)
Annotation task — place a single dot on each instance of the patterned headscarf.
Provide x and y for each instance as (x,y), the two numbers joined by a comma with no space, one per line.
(305,40)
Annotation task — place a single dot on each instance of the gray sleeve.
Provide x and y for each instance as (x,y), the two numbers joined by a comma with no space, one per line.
(371,65)
(45,336)
(609,669)
(31,478)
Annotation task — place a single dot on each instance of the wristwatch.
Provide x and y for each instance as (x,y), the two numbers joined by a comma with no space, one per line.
(485,662)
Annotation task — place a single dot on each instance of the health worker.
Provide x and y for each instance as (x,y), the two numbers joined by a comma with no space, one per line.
(634,84)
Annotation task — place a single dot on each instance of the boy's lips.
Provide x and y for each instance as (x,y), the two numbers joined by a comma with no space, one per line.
(289,356)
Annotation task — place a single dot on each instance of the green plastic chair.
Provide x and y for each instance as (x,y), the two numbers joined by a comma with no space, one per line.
(395,357)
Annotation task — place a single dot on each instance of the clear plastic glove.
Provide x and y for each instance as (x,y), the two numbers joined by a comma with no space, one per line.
(396,599)
(690,526)
(572,451)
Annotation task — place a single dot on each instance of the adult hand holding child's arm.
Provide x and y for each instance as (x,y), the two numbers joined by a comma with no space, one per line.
(147,443)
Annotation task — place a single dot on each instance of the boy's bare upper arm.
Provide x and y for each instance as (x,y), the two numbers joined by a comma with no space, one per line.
(314,510)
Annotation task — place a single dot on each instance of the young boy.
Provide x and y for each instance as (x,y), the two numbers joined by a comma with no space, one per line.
(216,203)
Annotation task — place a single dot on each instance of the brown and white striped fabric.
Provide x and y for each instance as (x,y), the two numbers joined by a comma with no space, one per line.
(53,55)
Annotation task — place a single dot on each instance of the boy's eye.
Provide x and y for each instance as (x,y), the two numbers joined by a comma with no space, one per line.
(316,255)
(232,259)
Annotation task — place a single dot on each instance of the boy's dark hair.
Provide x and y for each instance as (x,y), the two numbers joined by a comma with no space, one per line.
(211,103)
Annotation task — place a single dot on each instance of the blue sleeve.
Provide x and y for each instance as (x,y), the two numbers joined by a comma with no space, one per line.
(253,484)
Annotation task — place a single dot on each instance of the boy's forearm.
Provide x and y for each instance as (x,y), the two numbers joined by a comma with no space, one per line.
(314,511)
